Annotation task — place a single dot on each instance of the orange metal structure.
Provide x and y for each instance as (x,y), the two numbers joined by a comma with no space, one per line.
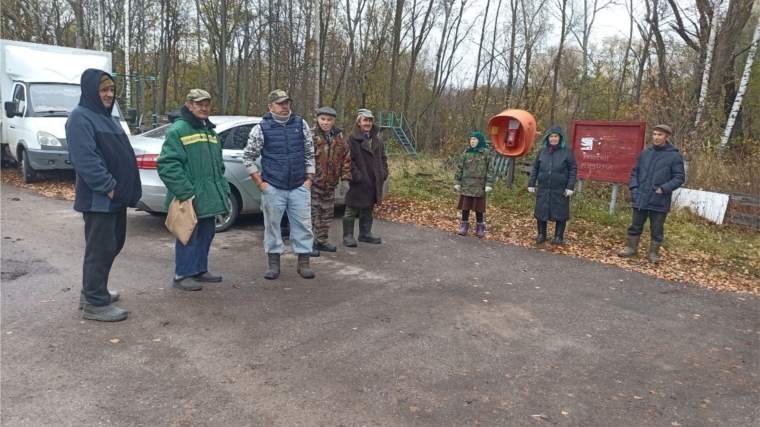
(512,132)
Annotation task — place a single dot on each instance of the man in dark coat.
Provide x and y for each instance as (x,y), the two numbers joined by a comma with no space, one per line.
(369,170)
(659,171)
(108,182)
(555,171)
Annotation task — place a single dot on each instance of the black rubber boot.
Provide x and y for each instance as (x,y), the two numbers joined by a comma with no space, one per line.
(559,233)
(633,247)
(108,313)
(274,266)
(348,233)
(114,297)
(303,266)
(325,248)
(654,252)
(365,232)
(541,238)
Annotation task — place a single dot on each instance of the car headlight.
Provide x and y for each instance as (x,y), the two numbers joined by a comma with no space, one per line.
(47,139)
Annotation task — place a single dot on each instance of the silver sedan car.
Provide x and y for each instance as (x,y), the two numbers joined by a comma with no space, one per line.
(233,133)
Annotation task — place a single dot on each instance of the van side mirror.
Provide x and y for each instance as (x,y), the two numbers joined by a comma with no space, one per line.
(10,110)
(132,115)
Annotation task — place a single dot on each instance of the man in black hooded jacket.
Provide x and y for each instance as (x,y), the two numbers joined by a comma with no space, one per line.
(108,182)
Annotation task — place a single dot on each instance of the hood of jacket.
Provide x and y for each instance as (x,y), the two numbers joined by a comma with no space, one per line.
(558,130)
(90,98)
(185,113)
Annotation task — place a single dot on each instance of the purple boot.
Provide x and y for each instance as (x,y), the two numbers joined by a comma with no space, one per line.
(481,230)
(463,228)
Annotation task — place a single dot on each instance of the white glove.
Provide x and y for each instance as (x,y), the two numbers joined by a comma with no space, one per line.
(343,188)
(488,189)
(568,193)
(531,189)
(458,187)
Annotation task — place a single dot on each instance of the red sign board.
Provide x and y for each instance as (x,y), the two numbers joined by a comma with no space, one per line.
(607,151)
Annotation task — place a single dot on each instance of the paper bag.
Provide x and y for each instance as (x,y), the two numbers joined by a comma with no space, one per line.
(181,219)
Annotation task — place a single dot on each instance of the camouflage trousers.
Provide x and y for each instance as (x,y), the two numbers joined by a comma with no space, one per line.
(322,211)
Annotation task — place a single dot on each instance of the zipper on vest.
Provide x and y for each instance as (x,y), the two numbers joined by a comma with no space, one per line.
(287,152)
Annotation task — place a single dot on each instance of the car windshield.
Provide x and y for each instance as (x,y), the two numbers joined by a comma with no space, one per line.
(158,133)
(58,99)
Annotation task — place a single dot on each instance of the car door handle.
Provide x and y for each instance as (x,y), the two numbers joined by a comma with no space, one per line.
(235,157)
(13,127)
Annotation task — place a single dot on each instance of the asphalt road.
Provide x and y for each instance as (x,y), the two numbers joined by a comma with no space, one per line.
(427,329)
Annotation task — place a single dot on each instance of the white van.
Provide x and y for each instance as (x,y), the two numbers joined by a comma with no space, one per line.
(39,88)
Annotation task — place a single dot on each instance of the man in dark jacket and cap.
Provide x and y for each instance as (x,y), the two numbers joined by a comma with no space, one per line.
(369,170)
(333,164)
(108,182)
(659,171)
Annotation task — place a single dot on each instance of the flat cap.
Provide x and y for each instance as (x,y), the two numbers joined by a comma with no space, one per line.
(664,128)
(366,113)
(278,95)
(197,95)
(327,110)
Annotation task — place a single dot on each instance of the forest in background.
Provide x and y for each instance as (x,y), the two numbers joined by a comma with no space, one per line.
(417,56)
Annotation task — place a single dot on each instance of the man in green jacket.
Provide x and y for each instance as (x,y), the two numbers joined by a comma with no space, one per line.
(191,165)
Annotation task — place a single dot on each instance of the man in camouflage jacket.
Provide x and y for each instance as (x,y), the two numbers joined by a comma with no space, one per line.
(333,163)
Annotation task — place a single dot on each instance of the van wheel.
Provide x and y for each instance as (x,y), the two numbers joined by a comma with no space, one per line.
(30,174)
(224,222)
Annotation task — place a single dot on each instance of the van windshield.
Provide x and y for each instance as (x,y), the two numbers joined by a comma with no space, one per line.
(53,99)
(58,100)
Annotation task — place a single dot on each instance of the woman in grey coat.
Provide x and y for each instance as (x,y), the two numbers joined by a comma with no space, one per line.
(554,170)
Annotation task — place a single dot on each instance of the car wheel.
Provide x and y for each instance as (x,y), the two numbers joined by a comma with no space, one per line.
(224,222)
(30,174)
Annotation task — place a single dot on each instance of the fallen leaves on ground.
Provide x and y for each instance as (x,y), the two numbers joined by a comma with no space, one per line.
(692,266)
(53,184)
(695,267)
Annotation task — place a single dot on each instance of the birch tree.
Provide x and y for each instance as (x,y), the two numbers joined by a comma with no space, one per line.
(742,88)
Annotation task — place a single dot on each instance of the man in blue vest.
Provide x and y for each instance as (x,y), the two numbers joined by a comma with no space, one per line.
(283,142)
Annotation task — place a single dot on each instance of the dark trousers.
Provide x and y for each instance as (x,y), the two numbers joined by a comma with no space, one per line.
(104,235)
(656,223)
(466,216)
(192,258)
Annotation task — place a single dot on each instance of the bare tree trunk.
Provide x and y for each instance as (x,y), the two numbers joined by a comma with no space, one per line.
(417,44)
(221,74)
(624,68)
(489,80)
(480,48)
(200,52)
(78,8)
(742,88)
(562,4)
(653,18)
(512,43)
(395,53)
(646,34)
(708,61)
